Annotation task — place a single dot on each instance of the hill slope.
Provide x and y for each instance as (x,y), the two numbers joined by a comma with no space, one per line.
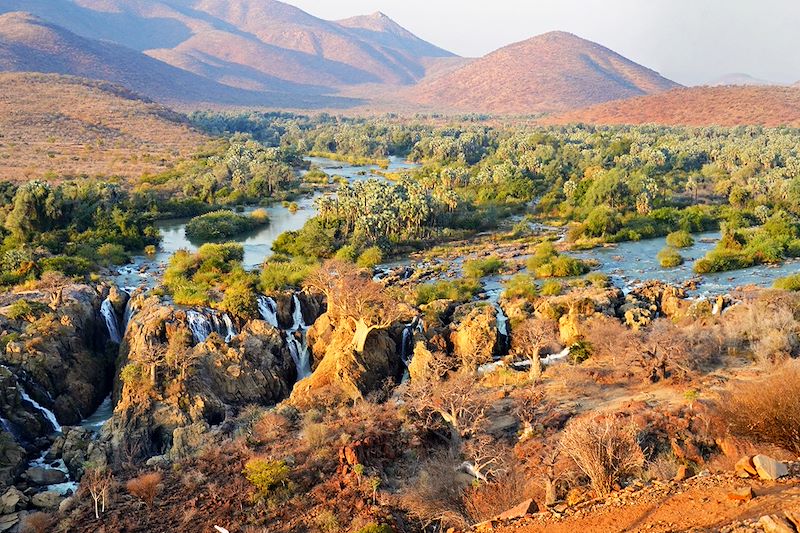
(249,43)
(28,43)
(556,71)
(697,106)
(69,125)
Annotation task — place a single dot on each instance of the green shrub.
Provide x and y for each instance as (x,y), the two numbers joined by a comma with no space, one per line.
(279,274)
(375,528)
(680,239)
(478,268)
(521,286)
(260,216)
(348,253)
(223,224)
(66,264)
(598,279)
(551,288)
(580,352)
(26,310)
(546,262)
(266,475)
(370,257)
(240,299)
(461,290)
(669,257)
(789,283)
(112,254)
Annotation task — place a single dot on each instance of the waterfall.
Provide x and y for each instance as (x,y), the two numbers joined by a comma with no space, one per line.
(405,343)
(128,313)
(298,348)
(269,310)
(299,351)
(48,414)
(101,415)
(203,324)
(298,322)
(110,316)
(199,325)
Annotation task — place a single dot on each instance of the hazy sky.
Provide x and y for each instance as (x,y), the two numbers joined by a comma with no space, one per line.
(689,41)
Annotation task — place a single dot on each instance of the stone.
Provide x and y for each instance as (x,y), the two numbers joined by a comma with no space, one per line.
(768,468)
(744,494)
(745,467)
(684,473)
(518,511)
(794,517)
(47,500)
(775,524)
(13,500)
(8,521)
(45,476)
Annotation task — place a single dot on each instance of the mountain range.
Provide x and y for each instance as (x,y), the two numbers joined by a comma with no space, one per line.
(268,54)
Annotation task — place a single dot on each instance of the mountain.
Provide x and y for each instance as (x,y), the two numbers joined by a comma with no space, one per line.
(28,43)
(250,43)
(697,106)
(556,71)
(739,78)
(70,126)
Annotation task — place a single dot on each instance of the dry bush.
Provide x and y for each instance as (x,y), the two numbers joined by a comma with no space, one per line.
(663,467)
(605,448)
(145,487)
(767,410)
(270,427)
(436,496)
(37,523)
(611,340)
(487,500)
(767,327)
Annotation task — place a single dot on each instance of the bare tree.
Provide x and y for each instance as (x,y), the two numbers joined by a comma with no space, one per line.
(530,337)
(98,482)
(457,401)
(352,297)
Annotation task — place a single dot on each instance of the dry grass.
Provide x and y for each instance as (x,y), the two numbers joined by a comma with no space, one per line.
(70,127)
(766,410)
(37,523)
(697,106)
(605,448)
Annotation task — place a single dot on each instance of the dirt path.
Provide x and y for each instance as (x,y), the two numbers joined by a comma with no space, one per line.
(700,504)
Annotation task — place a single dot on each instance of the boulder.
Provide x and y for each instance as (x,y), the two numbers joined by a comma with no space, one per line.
(775,524)
(744,494)
(187,440)
(473,334)
(45,476)
(12,459)
(420,365)
(47,500)
(520,510)
(768,468)
(8,521)
(118,299)
(13,500)
(745,467)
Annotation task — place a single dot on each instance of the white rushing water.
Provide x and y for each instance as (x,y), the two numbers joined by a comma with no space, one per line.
(110,317)
(204,323)
(48,414)
(298,348)
(268,309)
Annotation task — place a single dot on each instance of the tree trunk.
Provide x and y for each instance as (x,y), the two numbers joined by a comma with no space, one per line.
(536,366)
(360,336)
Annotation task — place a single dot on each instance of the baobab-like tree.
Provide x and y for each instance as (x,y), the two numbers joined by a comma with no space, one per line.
(530,337)
(354,299)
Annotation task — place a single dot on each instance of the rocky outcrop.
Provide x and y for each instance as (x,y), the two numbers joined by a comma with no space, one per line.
(76,446)
(63,357)
(168,383)
(473,334)
(342,373)
(651,300)
(12,459)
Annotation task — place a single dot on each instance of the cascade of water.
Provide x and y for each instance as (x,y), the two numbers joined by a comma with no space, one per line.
(268,309)
(405,343)
(299,351)
(110,316)
(96,420)
(48,414)
(230,330)
(298,322)
(128,313)
(199,324)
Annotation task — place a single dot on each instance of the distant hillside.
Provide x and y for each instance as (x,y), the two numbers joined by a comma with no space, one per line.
(250,44)
(30,44)
(556,71)
(697,106)
(739,79)
(68,125)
